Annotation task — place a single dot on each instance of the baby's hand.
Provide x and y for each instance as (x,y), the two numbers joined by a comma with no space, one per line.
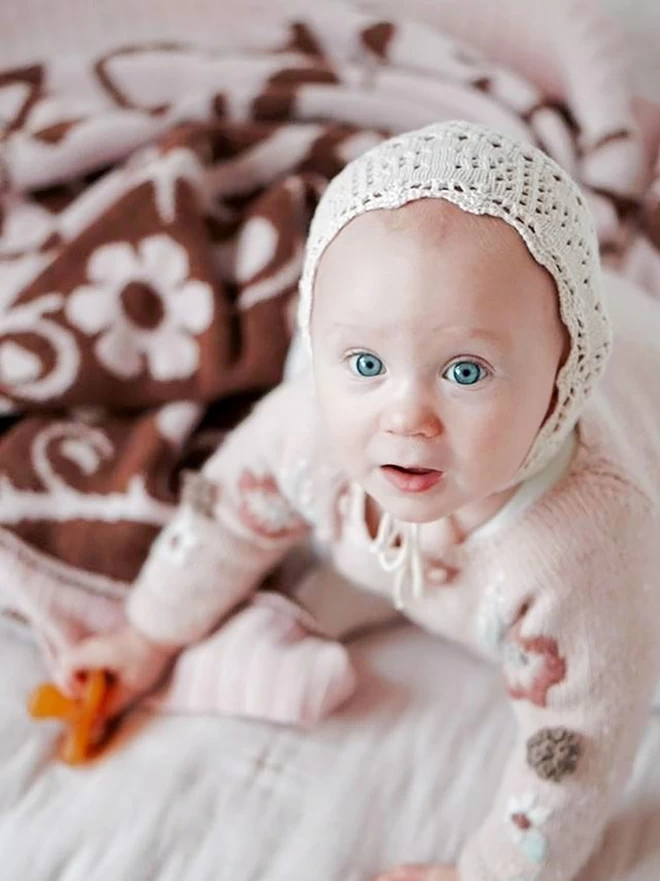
(420,873)
(136,665)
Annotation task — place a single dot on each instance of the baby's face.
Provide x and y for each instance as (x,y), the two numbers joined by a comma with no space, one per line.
(436,341)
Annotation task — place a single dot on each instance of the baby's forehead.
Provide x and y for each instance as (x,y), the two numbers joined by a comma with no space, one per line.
(427,227)
(436,222)
(438,254)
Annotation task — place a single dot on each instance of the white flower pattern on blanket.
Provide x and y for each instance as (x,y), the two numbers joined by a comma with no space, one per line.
(145,307)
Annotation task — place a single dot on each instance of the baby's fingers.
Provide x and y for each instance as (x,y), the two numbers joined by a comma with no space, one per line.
(95,653)
(120,698)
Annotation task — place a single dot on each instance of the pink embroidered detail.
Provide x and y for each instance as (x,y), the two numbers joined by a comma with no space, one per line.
(441,574)
(527,817)
(179,539)
(264,509)
(531,666)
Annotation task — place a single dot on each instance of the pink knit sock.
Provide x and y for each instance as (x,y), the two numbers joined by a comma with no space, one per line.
(267,661)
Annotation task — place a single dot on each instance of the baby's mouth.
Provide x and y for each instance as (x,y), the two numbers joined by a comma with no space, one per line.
(414,480)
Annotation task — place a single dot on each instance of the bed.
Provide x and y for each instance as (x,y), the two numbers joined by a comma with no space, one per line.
(402,773)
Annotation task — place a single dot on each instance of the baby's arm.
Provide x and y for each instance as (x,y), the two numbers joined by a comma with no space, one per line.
(580,663)
(233,525)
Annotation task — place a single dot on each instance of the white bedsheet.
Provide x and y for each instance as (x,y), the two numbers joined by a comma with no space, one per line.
(404,773)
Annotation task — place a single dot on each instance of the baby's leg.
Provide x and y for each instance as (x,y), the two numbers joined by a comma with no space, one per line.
(275,658)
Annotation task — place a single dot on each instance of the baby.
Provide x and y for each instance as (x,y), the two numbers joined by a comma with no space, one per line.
(455,456)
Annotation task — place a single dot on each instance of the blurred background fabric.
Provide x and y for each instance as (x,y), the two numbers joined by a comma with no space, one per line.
(172,151)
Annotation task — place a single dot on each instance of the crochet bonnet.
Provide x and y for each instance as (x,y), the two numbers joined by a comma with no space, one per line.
(483,171)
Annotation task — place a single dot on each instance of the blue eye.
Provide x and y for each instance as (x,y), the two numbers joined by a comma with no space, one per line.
(466,373)
(366,365)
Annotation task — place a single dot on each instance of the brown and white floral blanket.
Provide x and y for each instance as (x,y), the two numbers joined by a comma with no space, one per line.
(153,210)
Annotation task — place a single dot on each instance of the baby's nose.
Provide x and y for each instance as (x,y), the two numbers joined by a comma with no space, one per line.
(411,416)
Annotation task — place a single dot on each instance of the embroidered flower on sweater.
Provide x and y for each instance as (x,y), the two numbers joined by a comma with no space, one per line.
(263,508)
(532,665)
(493,619)
(554,753)
(526,817)
(178,539)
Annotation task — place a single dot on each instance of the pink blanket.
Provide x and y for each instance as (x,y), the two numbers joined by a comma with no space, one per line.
(154,204)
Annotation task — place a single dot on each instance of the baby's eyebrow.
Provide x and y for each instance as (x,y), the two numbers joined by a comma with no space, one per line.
(459,332)
(491,336)
(338,328)
(344,325)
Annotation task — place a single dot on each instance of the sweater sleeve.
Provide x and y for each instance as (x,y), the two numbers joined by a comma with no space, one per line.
(579,657)
(236,520)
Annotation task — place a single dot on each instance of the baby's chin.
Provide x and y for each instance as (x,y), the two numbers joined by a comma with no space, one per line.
(420,507)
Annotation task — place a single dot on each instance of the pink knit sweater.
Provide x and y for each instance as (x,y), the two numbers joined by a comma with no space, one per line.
(564,596)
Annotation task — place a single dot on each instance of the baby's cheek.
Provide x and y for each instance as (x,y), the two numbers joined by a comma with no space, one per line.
(352,441)
(490,448)
(509,447)
(346,434)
